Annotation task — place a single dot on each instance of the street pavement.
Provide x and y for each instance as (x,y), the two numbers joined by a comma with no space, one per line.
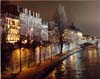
(32,71)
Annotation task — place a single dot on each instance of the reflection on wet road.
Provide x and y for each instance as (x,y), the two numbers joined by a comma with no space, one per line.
(82,65)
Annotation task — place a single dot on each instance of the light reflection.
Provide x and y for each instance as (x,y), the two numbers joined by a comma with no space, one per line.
(64,62)
(78,65)
(92,54)
(95,53)
(73,58)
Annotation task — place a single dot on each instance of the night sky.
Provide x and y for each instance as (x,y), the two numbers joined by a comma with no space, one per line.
(84,14)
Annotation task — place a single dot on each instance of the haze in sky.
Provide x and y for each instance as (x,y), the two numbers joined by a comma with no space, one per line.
(84,14)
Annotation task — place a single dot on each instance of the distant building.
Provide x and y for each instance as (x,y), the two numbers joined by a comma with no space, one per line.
(31,25)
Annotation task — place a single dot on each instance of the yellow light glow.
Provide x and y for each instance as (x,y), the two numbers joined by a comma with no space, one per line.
(8,26)
(79,34)
(72,58)
(72,32)
(13,30)
(16,54)
(24,41)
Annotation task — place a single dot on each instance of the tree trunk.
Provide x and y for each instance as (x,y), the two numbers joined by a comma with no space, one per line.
(61,47)
(61,44)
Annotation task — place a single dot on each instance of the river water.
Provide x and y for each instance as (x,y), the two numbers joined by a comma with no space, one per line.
(81,65)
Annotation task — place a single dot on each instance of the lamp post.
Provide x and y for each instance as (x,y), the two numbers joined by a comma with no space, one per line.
(20,65)
(40,55)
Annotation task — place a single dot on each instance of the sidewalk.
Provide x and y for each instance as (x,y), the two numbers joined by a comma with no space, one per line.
(28,73)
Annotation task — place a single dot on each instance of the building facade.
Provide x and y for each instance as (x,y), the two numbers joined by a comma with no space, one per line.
(13,30)
(31,25)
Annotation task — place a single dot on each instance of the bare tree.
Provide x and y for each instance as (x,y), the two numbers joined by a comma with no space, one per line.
(61,23)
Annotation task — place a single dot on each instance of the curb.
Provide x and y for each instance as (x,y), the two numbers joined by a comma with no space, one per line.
(49,69)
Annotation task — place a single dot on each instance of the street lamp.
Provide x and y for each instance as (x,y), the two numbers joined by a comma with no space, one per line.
(20,65)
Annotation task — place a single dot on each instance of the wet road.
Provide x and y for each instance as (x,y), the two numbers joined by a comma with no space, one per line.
(82,65)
